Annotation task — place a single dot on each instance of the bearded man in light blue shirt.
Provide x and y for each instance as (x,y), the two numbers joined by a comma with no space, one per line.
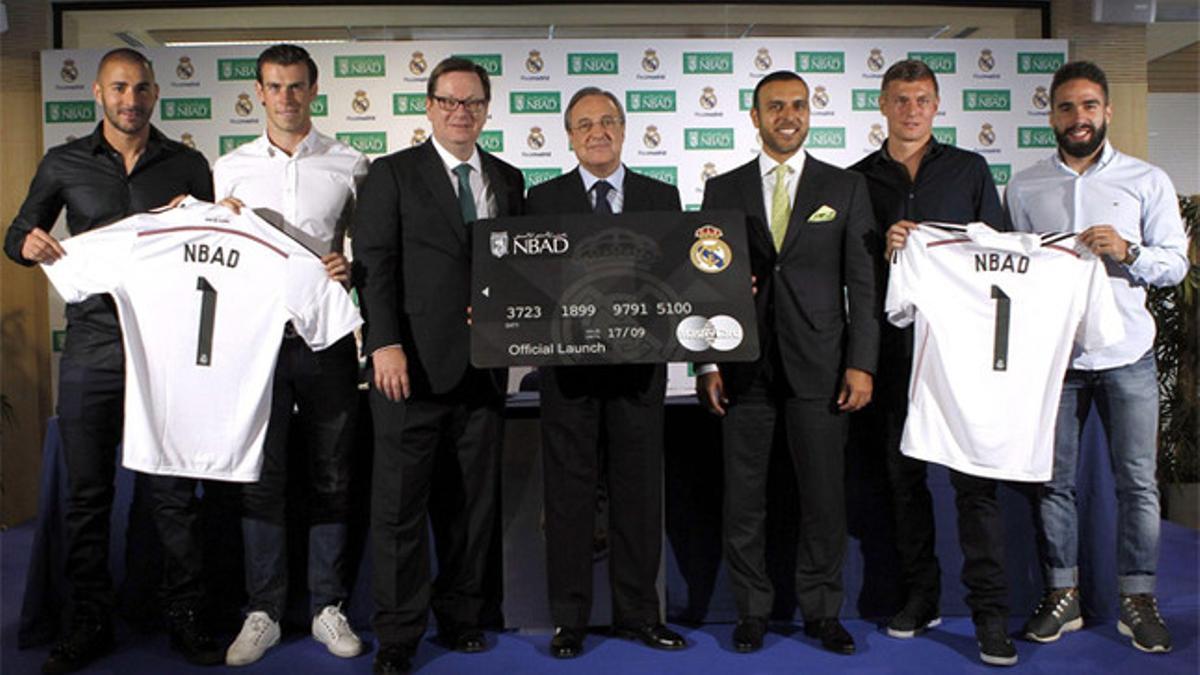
(1125,211)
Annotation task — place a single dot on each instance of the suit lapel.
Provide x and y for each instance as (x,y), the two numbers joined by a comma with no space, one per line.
(495,183)
(433,172)
(575,198)
(808,194)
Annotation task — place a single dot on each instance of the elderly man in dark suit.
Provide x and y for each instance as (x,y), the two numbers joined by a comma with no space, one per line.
(815,256)
(625,402)
(429,406)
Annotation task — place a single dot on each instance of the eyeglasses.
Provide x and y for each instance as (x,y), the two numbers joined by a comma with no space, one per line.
(450,104)
(608,122)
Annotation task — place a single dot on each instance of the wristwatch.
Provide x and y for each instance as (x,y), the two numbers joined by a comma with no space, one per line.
(1131,254)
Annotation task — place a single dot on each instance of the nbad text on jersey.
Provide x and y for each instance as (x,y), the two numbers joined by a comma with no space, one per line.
(216,255)
(997,262)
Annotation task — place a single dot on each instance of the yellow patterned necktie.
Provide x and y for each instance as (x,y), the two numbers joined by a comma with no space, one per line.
(781,208)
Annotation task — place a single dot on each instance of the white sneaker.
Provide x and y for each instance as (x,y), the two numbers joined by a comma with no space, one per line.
(259,633)
(331,629)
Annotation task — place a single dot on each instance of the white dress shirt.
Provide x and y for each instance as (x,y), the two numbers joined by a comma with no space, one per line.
(485,201)
(1134,197)
(309,194)
(616,196)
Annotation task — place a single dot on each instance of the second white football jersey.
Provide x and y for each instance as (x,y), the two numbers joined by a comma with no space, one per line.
(996,317)
(203,296)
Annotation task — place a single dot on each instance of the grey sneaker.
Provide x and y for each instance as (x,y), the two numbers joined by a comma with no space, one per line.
(1057,613)
(917,616)
(995,649)
(331,629)
(1141,621)
(259,633)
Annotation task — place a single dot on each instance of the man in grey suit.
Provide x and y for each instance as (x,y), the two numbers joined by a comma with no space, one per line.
(815,255)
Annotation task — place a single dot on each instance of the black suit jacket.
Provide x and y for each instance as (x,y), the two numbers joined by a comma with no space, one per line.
(803,289)
(413,259)
(565,194)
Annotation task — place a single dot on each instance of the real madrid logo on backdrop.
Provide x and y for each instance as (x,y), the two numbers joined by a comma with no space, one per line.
(650,61)
(187,140)
(986,60)
(1041,99)
(709,171)
(763,60)
(418,136)
(708,99)
(820,97)
(987,135)
(69,72)
(534,62)
(652,137)
(361,103)
(875,61)
(876,136)
(709,254)
(536,138)
(185,70)
(417,65)
(244,106)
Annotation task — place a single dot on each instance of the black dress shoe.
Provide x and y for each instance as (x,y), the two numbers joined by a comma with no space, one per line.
(653,635)
(832,635)
(192,639)
(86,641)
(467,641)
(391,660)
(567,642)
(748,634)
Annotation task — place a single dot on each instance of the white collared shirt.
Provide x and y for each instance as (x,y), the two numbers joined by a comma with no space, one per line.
(616,196)
(485,202)
(309,194)
(766,169)
(1139,201)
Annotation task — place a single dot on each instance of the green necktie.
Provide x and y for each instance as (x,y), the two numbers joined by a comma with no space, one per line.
(466,200)
(781,209)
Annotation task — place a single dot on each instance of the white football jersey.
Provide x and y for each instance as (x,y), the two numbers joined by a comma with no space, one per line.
(203,296)
(997,315)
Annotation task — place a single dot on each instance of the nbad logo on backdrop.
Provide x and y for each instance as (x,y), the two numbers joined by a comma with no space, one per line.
(1036,137)
(592,64)
(408,104)
(1001,173)
(864,99)
(186,109)
(745,99)
(650,101)
(946,135)
(666,174)
(320,106)
(366,142)
(363,65)
(707,63)
(538,176)
(1039,63)
(820,62)
(70,111)
(491,141)
(826,137)
(938,62)
(987,99)
(708,139)
(236,69)
(526,102)
(227,144)
(492,63)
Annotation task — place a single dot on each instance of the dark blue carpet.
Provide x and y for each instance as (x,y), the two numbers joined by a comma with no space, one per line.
(949,649)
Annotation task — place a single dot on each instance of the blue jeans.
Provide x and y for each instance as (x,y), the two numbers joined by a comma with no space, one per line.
(1126,399)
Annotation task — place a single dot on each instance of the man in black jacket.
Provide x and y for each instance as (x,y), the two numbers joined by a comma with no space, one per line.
(125,166)
(428,404)
(625,402)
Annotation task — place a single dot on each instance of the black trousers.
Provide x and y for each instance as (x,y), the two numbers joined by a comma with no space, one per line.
(981,537)
(176,510)
(815,435)
(435,457)
(632,420)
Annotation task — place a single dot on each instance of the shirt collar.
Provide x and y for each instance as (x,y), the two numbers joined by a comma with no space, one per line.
(616,179)
(767,164)
(451,161)
(1107,154)
(307,146)
(932,149)
(97,142)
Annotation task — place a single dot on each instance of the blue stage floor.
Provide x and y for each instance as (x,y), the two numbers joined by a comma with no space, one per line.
(949,649)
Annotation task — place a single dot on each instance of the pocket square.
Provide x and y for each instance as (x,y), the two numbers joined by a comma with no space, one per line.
(823,215)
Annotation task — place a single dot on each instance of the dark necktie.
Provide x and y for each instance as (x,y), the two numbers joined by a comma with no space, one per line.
(466,200)
(602,207)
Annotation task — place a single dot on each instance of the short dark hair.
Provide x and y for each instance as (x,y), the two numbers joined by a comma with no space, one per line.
(909,70)
(286,55)
(1079,70)
(777,76)
(457,64)
(127,55)
(591,91)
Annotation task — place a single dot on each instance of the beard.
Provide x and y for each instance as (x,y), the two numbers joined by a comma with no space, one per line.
(114,118)
(1081,149)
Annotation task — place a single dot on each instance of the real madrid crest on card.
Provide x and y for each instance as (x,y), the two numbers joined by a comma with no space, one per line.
(710,254)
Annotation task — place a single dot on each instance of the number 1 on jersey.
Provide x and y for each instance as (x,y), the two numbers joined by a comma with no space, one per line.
(1000,341)
(208,315)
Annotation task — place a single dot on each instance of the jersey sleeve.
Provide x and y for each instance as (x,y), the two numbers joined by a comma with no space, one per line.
(321,310)
(900,305)
(95,262)
(1101,324)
